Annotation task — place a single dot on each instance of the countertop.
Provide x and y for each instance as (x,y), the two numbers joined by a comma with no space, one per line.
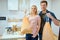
(11,36)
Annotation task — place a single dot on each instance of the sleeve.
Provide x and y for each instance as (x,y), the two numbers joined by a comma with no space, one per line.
(53,15)
(40,13)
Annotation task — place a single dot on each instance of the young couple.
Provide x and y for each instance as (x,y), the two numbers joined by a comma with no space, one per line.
(37,21)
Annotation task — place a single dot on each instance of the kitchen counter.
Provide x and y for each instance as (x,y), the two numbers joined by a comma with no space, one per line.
(12,36)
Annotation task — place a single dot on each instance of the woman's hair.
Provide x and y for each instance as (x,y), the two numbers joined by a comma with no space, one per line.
(36,9)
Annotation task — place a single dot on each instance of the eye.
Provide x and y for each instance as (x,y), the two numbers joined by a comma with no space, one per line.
(31,8)
(34,8)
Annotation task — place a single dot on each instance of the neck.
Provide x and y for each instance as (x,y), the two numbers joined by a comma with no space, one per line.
(44,11)
(33,14)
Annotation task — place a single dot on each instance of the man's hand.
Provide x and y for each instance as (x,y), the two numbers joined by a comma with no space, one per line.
(49,15)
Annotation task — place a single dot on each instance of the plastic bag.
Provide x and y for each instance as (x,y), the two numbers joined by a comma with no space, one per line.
(48,33)
(25,27)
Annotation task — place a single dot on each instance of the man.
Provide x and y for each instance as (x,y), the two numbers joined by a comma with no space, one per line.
(47,13)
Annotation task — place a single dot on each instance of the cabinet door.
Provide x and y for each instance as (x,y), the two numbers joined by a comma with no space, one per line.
(12,4)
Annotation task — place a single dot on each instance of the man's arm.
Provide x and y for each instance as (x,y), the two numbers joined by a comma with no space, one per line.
(53,18)
(38,27)
(56,22)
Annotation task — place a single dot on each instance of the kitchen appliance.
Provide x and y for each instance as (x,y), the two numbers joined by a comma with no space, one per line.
(8,30)
(2,18)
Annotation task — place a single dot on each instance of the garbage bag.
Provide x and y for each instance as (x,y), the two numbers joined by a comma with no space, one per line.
(25,27)
(48,33)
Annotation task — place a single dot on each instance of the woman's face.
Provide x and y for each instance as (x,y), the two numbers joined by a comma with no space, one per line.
(33,9)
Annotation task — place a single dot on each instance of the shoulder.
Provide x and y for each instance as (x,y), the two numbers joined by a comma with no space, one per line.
(52,14)
(40,13)
(38,17)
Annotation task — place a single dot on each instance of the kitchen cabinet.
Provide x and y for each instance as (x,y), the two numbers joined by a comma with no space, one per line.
(12,4)
(24,4)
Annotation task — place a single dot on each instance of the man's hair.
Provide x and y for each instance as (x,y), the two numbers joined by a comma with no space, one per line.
(44,2)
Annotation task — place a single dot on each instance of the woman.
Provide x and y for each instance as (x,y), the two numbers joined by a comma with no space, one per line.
(35,21)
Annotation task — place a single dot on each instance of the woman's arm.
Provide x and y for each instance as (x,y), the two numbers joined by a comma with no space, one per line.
(38,27)
(39,22)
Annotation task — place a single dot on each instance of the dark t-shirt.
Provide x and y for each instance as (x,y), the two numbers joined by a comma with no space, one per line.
(42,22)
(44,18)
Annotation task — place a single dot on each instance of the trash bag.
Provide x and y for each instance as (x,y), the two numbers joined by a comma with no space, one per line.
(48,33)
(25,27)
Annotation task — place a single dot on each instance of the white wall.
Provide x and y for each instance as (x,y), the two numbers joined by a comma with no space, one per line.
(56,9)
(49,5)
(3,12)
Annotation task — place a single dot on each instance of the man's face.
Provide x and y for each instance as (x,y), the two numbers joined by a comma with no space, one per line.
(43,6)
